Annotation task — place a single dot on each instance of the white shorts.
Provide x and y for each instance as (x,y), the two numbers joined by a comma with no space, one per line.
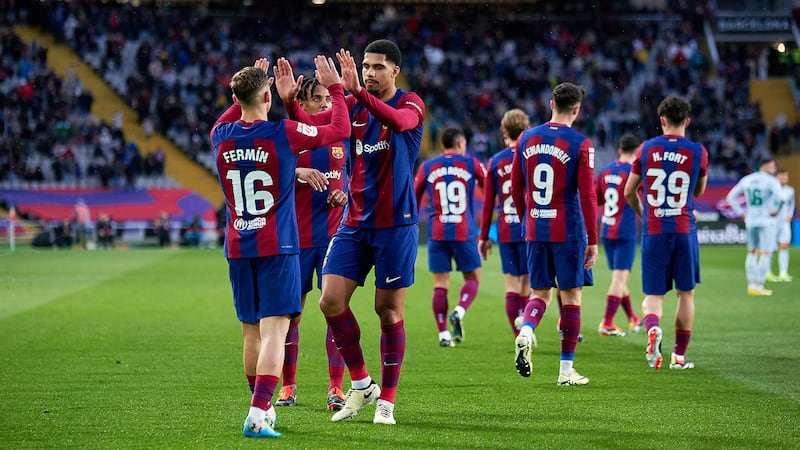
(784,232)
(761,238)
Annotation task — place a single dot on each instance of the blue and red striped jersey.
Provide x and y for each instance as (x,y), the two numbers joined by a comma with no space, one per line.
(552,182)
(317,221)
(384,146)
(618,221)
(256,168)
(670,167)
(497,185)
(449,180)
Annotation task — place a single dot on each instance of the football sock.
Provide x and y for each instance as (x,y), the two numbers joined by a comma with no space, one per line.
(264,389)
(751,268)
(565,367)
(650,321)
(460,311)
(467,296)
(251,381)
(256,414)
(534,311)
(362,383)
(763,268)
(612,304)
(290,359)
(512,309)
(445,335)
(570,329)
(335,362)
(347,335)
(626,305)
(783,262)
(681,341)
(440,308)
(393,349)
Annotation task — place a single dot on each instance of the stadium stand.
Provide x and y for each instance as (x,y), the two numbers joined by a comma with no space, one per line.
(170,62)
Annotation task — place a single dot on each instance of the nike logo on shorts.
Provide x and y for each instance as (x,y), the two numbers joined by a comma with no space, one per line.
(359,124)
(392,279)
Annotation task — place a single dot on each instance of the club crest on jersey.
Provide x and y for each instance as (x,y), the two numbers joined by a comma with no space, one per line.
(337,152)
(306,129)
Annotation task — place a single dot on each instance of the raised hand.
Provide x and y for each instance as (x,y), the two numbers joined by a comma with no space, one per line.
(287,86)
(349,71)
(263,64)
(326,71)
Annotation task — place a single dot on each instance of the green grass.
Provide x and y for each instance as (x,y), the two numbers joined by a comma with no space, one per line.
(141,349)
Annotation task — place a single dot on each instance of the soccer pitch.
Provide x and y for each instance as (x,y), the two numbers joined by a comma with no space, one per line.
(141,349)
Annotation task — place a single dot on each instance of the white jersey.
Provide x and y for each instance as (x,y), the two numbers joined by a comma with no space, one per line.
(763,196)
(786,211)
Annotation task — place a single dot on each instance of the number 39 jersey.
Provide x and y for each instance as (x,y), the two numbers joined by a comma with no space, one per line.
(670,167)
(449,179)
(618,221)
(553,178)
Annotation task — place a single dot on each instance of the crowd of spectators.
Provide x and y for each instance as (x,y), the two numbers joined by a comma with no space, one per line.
(47,133)
(470,63)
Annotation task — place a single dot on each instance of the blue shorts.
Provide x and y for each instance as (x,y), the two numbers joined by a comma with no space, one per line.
(514,258)
(668,257)
(620,253)
(311,260)
(393,251)
(442,253)
(265,287)
(558,264)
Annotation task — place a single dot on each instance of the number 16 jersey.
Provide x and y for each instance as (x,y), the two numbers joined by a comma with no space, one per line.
(670,166)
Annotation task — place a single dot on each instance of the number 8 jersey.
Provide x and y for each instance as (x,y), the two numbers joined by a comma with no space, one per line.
(618,221)
(670,167)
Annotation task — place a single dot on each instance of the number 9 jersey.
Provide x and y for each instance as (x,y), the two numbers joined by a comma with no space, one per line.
(552,183)
(670,167)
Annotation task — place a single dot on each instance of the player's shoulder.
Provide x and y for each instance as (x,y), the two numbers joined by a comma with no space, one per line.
(409,98)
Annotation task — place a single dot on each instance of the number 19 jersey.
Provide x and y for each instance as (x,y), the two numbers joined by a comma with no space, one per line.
(449,180)
(670,167)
